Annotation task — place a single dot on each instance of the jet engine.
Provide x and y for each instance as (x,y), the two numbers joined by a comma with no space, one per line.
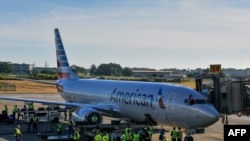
(87,116)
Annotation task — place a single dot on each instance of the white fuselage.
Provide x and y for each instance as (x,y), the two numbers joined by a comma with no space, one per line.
(164,103)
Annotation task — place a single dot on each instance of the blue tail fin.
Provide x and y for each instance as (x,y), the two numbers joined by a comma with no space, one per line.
(64,70)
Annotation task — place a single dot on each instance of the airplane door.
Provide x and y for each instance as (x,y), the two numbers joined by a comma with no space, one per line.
(170,107)
(170,102)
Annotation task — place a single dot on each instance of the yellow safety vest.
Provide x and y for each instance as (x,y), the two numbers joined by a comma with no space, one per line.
(174,134)
(136,137)
(14,109)
(105,138)
(59,127)
(31,106)
(76,136)
(98,137)
(123,137)
(179,134)
(17,132)
(34,119)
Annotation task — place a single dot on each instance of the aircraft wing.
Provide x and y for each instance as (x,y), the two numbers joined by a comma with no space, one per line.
(103,108)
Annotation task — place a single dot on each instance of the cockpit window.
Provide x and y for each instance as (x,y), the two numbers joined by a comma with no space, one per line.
(194,101)
(200,101)
(189,101)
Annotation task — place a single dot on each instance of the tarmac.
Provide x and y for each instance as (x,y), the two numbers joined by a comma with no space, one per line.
(214,132)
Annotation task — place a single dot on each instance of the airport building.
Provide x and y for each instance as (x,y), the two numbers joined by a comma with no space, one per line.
(21,69)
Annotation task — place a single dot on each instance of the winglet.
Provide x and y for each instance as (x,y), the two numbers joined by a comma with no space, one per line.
(64,70)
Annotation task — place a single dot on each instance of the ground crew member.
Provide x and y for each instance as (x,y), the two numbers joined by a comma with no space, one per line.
(70,127)
(6,110)
(150,127)
(136,136)
(76,136)
(179,134)
(173,134)
(59,128)
(31,107)
(129,135)
(188,138)
(19,114)
(65,115)
(29,123)
(18,133)
(165,139)
(35,122)
(94,119)
(161,136)
(98,137)
(123,136)
(105,136)
(112,136)
(70,113)
(14,111)
(149,135)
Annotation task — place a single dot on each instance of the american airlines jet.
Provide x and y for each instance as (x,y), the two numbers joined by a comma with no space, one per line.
(155,103)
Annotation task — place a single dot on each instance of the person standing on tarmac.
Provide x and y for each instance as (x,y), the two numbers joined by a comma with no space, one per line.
(76,135)
(70,127)
(18,132)
(31,107)
(161,136)
(35,122)
(105,136)
(112,136)
(123,136)
(59,128)
(6,110)
(136,136)
(188,138)
(173,134)
(14,111)
(98,137)
(179,134)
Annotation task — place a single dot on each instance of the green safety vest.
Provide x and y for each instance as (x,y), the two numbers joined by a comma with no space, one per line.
(76,136)
(179,134)
(14,109)
(31,106)
(165,139)
(98,137)
(149,135)
(174,134)
(59,127)
(34,119)
(123,137)
(17,132)
(129,136)
(136,137)
(105,138)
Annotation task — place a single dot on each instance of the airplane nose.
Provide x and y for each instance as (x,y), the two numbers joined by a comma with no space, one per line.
(212,116)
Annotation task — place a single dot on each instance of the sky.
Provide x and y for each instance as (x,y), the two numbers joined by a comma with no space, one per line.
(158,34)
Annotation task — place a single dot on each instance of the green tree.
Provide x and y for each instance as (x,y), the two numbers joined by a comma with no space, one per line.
(78,69)
(5,67)
(93,69)
(110,69)
(127,72)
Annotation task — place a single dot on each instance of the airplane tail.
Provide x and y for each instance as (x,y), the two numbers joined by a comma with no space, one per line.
(63,68)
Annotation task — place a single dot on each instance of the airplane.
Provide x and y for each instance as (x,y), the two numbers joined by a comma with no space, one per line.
(152,102)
